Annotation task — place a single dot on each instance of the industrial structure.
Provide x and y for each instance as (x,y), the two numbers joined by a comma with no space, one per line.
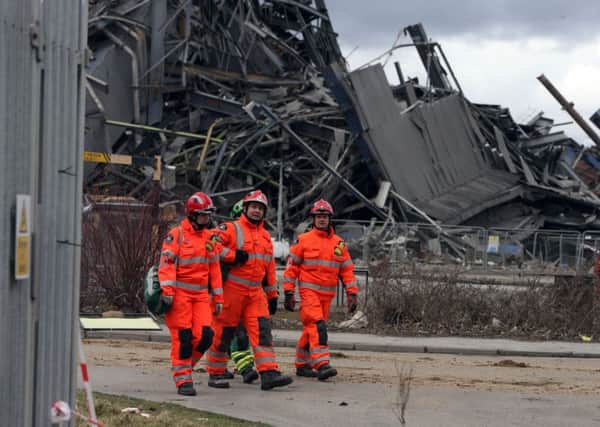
(234,95)
(175,79)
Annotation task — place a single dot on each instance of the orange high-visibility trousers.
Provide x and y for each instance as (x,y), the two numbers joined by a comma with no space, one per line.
(189,322)
(251,308)
(312,348)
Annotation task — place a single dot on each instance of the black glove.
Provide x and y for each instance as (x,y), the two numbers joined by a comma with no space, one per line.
(352,300)
(166,301)
(290,301)
(241,257)
(272,306)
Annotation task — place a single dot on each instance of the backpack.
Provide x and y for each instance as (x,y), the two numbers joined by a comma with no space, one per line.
(152,289)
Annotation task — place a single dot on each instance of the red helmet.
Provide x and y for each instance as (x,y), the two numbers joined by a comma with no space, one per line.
(321,207)
(256,196)
(199,203)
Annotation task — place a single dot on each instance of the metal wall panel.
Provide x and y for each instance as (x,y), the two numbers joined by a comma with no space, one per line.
(19,83)
(41,141)
(64,25)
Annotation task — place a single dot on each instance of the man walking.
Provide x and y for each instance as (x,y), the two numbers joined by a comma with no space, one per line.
(316,262)
(188,263)
(239,350)
(248,248)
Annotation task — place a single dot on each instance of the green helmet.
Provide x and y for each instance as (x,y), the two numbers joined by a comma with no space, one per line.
(237,209)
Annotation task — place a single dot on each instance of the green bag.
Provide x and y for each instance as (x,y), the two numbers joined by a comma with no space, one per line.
(152,289)
(153,292)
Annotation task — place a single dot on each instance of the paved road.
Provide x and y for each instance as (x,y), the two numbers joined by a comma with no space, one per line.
(308,402)
(351,404)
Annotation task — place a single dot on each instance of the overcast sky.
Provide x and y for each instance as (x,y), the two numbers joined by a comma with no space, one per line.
(496,48)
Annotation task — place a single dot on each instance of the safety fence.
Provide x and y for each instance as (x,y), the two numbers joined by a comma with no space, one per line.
(551,251)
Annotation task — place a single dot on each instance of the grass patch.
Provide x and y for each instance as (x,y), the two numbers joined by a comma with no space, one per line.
(108,410)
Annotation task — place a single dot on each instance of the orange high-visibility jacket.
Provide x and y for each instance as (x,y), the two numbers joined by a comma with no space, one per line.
(317,261)
(188,261)
(259,270)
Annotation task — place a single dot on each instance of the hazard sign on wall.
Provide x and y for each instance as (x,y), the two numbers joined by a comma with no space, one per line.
(23,237)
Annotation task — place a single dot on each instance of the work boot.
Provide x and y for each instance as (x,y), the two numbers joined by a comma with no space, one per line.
(186,389)
(228,375)
(305,371)
(218,381)
(270,379)
(249,374)
(325,372)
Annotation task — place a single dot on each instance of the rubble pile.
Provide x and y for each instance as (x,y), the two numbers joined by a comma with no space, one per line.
(241,94)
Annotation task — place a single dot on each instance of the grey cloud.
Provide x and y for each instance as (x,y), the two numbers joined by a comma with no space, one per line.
(376,22)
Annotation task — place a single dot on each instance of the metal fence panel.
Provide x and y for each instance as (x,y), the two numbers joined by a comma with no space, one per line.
(589,250)
(547,251)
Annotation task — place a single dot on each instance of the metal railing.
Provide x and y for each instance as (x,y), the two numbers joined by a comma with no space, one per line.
(552,251)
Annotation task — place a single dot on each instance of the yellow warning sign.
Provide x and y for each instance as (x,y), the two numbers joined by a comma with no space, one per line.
(22,257)
(23,221)
(96,157)
(92,156)
(23,237)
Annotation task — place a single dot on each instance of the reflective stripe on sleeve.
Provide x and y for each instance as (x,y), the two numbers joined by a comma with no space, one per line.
(169,254)
(347,263)
(224,253)
(239,235)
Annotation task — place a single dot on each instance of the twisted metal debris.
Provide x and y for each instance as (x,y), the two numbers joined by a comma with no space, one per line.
(241,94)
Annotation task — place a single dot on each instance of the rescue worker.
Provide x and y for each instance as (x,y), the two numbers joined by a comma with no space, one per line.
(188,263)
(316,262)
(239,350)
(247,247)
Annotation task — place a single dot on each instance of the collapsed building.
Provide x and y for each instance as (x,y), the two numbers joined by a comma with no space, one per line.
(241,94)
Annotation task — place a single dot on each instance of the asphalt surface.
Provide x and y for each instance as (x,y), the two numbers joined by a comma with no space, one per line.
(333,403)
(336,403)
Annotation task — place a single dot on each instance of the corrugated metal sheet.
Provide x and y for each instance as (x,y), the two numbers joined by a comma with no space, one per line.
(18,102)
(41,137)
(59,202)
(431,154)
